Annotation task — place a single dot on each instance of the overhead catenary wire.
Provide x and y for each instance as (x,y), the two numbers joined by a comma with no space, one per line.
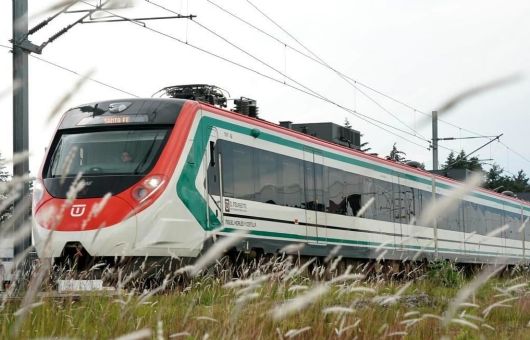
(340,74)
(322,62)
(78,74)
(371,88)
(88,78)
(353,112)
(319,96)
(515,152)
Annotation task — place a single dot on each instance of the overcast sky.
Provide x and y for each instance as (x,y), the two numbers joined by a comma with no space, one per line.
(420,52)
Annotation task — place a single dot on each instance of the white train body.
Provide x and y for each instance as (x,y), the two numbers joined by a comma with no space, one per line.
(220,172)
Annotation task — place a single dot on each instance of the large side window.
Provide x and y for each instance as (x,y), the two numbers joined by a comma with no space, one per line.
(353,189)
(238,171)
(243,172)
(383,200)
(337,199)
(268,178)
(320,192)
(293,181)
(514,220)
(493,219)
(406,204)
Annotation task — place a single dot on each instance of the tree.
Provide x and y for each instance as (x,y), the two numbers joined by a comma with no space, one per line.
(347,123)
(397,155)
(494,178)
(520,182)
(461,161)
(449,161)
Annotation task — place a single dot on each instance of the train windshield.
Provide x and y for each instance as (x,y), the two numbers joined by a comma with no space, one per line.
(117,152)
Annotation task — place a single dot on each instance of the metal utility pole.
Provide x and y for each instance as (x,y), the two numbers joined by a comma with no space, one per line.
(20,107)
(435,140)
(434,170)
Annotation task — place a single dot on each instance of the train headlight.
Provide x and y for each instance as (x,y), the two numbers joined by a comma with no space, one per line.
(38,192)
(147,187)
(153,182)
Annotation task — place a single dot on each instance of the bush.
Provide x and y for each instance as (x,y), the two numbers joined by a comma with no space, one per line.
(445,273)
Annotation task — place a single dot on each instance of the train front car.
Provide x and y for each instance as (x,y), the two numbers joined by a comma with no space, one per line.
(107,187)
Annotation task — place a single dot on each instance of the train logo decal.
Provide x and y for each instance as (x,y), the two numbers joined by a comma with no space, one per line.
(77,210)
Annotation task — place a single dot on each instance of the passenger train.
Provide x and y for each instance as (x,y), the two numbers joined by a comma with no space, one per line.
(157,177)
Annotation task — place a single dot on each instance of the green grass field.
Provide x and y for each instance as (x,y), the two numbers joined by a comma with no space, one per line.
(284,305)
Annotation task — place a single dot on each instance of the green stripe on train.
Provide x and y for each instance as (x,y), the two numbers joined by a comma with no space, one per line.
(363,243)
(196,203)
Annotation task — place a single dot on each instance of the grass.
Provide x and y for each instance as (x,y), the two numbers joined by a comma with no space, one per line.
(207,308)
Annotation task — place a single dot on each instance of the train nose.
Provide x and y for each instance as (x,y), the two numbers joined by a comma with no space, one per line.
(104,226)
(83,214)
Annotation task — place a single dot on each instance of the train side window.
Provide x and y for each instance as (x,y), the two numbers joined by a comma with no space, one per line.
(268,177)
(293,181)
(320,190)
(309,186)
(407,203)
(383,200)
(493,219)
(514,220)
(353,185)
(238,171)
(337,199)
(368,192)
(243,172)
(481,218)
(473,220)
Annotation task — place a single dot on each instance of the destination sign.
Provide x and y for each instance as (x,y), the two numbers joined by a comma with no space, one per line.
(114,119)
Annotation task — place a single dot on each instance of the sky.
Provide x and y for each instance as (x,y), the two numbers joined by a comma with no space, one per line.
(420,52)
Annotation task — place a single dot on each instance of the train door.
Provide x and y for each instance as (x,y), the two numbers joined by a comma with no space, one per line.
(314,198)
(213,168)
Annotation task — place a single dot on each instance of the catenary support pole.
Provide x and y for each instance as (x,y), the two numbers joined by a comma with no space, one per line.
(435,140)
(434,170)
(20,109)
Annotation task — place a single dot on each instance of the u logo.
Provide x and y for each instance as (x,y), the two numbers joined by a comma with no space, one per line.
(77,210)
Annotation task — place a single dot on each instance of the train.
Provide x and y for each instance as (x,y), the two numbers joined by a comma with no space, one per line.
(157,177)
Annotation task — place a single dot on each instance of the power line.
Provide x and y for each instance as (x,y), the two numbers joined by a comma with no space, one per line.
(78,74)
(340,74)
(314,59)
(356,81)
(371,88)
(353,112)
(515,152)
(321,62)
(319,96)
